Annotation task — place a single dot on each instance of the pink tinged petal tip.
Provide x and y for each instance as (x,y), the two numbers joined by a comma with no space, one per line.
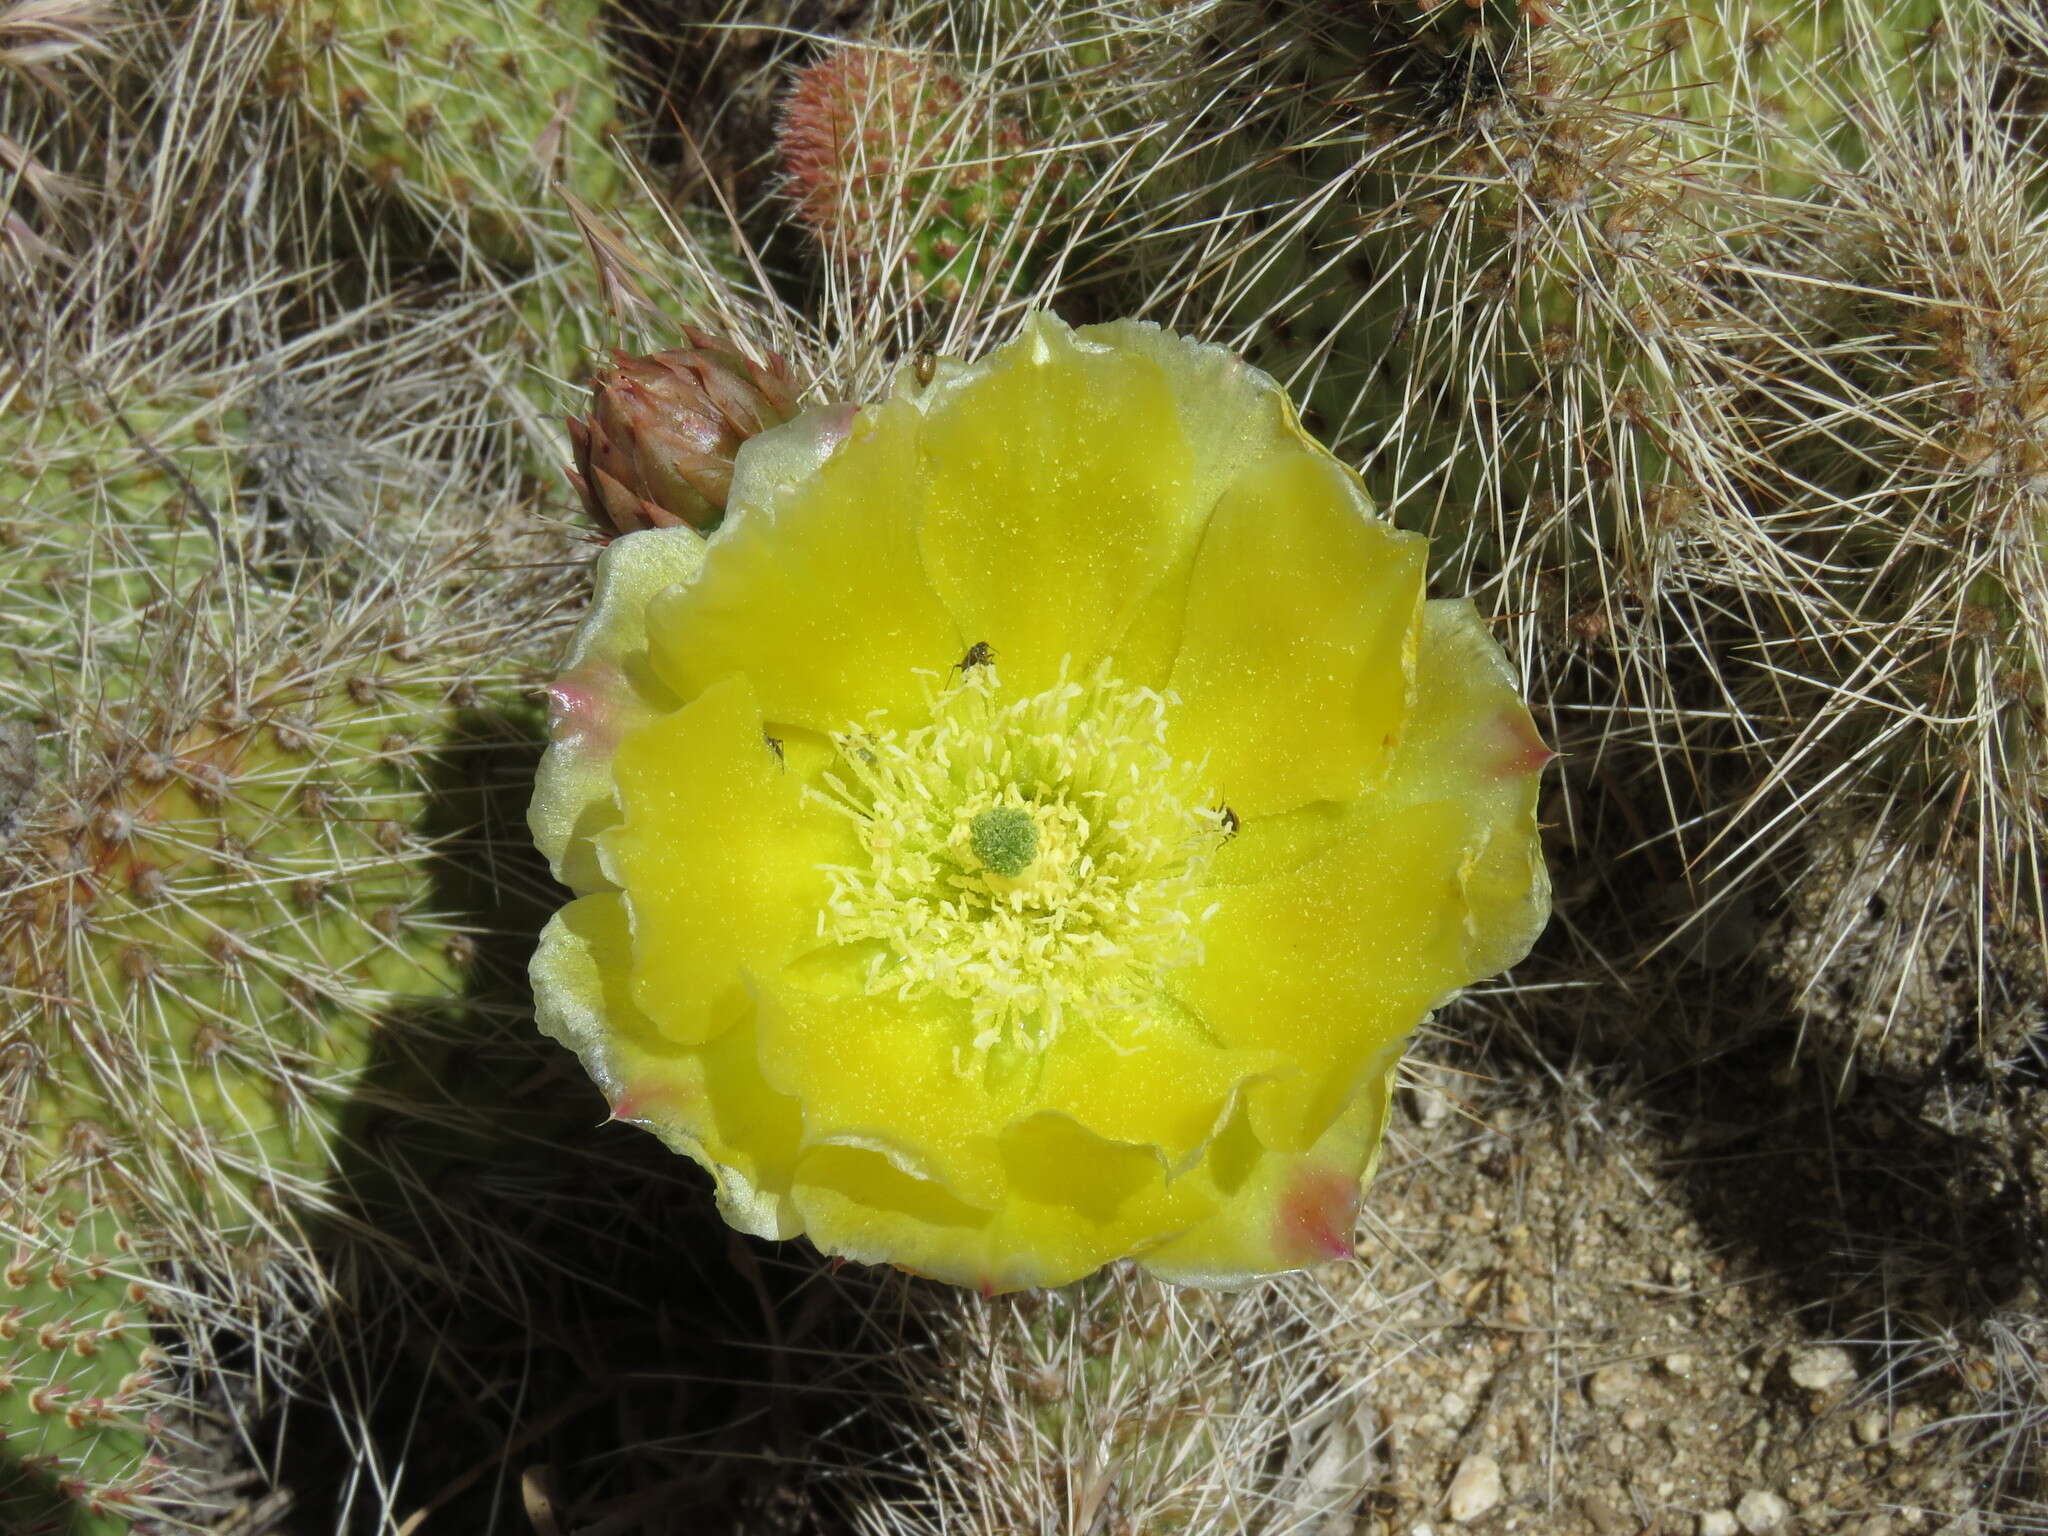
(635,1103)
(1316,1216)
(828,426)
(1523,750)
(581,707)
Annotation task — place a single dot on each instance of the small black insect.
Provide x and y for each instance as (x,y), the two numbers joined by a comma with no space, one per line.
(1230,822)
(775,746)
(979,654)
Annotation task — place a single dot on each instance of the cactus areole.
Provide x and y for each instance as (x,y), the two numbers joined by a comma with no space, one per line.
(1104,946)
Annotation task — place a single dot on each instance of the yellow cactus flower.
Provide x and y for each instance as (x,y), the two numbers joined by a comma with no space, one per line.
(1026,833)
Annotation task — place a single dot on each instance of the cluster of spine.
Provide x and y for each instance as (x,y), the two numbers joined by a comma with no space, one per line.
(228,765)
(500,128)
(109,518)
(1495,277)
(1897,442)
(468,112)
(1119,1404)
(201,929)
(897,164)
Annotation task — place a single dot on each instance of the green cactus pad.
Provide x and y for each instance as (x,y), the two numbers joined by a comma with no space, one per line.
(218,881)
(1507,288)
(464,109)
(1908,409)
(109,513)
(202,931)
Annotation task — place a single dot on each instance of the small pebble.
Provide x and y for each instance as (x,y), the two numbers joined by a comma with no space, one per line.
(1761,1512)
(1428,1103)
(1475,1488)
(1604,1517)
(1870,1426)
(1679,1365)
(1821,1368)
(1719,1522)
(1611,1386)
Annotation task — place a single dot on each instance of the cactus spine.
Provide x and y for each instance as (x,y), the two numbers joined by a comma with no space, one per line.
(217,902)
(217,890)
(1493,275)
(107,513)
(464,111)
(1908,413)
(897,164)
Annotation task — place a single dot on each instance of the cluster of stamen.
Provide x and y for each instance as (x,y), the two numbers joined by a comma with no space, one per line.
(1040,859)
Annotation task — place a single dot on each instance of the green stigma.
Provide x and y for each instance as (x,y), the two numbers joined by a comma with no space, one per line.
(1006,840)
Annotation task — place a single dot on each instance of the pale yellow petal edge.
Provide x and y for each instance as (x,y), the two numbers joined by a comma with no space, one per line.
(603,691)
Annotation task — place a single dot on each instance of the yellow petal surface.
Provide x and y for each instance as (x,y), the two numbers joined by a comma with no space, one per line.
(825,604)
(1334,960)
(1471,740)
(891,1076)
(1265,846)
(1161,1085)
(1058,494)
(857,1203)
(711,1104)
(1301,625)
(1232,416)
(722,856)
(1296,1209)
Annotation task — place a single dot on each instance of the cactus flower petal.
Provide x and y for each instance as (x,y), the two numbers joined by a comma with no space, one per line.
(789,598)
(1027,833)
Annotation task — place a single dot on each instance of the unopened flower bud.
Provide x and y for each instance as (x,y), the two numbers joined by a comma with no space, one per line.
(657,447)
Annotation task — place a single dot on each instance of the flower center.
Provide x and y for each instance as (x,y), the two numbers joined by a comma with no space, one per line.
(1005,840)
(1038,858)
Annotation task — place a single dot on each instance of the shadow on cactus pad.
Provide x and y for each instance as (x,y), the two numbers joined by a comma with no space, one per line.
(529,1299)
(32,1505)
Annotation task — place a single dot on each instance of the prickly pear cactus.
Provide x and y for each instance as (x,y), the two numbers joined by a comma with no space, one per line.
(1735,83)
(226,761)
(497,125)
(81,1375)
(1908,413)
(898,164)
(220,897)
(1121,1404)
(465,109)
(107,508)
(1494,284)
